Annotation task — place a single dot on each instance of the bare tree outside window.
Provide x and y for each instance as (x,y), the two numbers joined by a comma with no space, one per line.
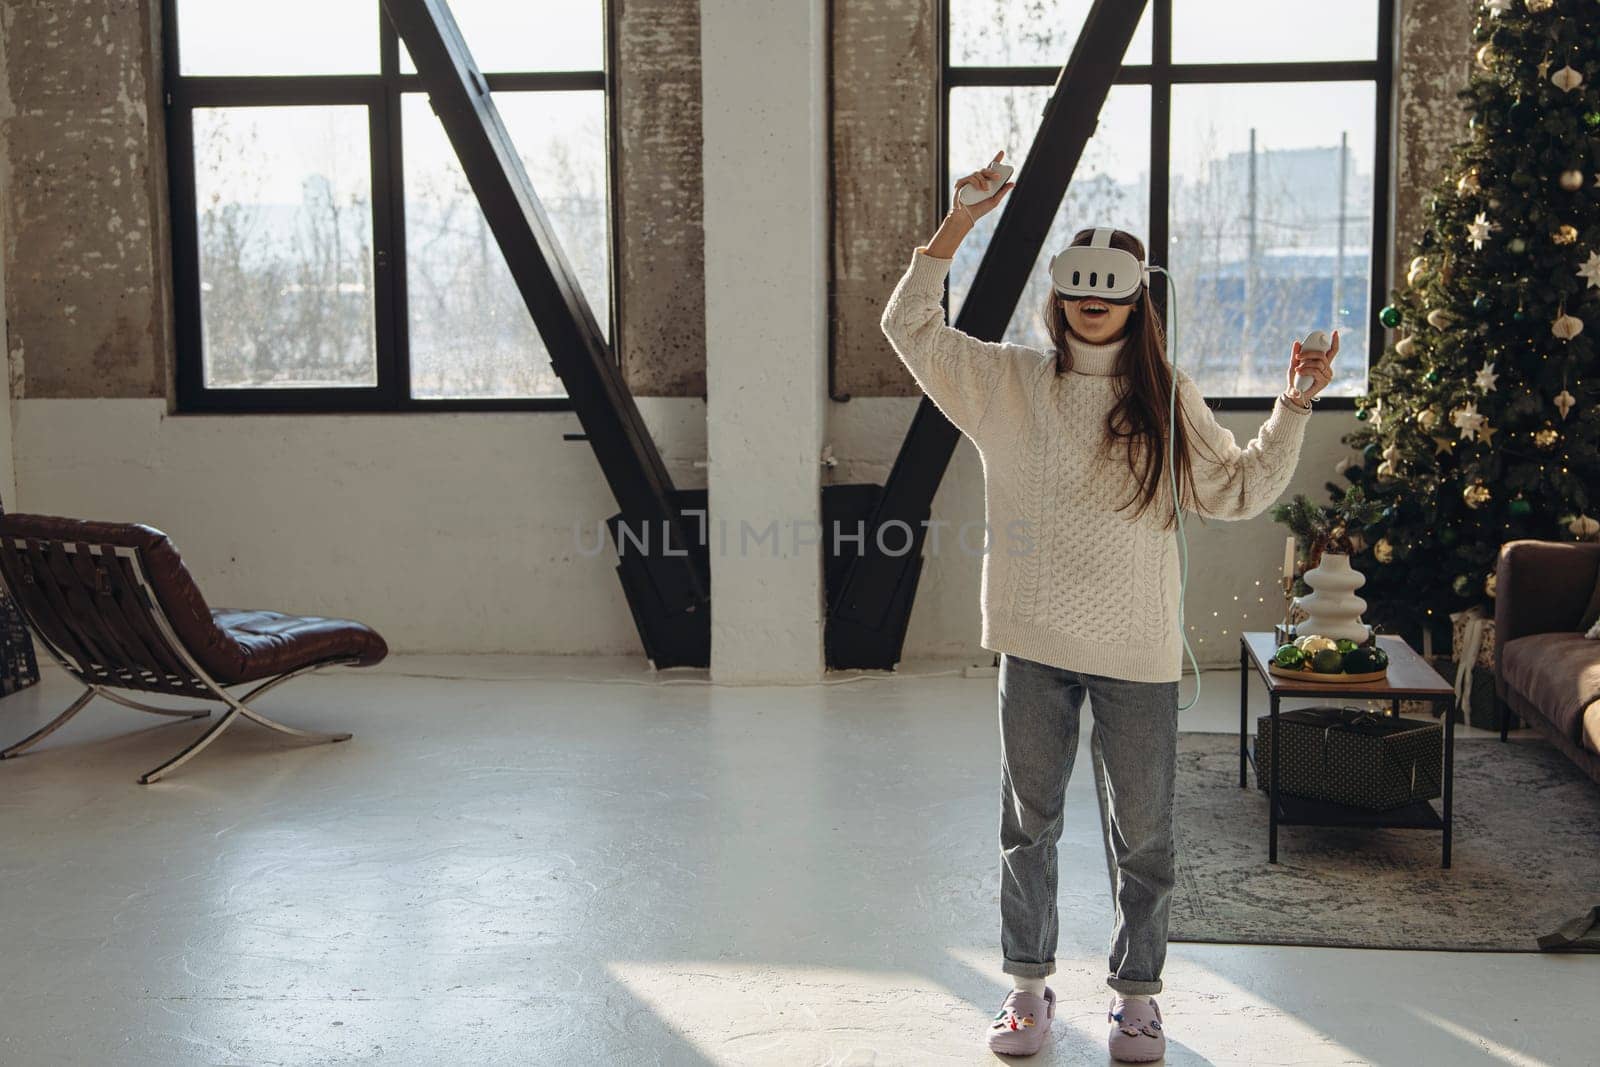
(289,297)
(285,226)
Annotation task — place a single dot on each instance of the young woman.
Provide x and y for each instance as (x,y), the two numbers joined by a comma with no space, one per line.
(1081,596)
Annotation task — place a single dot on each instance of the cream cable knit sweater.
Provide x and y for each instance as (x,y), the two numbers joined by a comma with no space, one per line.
(1067,579)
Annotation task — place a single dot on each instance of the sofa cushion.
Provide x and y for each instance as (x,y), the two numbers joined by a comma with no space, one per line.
(1591,728)
(1558,672)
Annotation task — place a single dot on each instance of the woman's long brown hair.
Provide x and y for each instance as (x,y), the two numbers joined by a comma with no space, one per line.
(1140,416)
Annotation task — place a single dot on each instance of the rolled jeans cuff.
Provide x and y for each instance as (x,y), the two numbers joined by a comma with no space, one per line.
(1029,970)
(1129,985)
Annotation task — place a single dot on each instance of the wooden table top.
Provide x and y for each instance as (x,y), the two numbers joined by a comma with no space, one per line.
(1408,673)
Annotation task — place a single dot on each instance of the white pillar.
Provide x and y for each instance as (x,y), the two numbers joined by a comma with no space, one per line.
(766,198)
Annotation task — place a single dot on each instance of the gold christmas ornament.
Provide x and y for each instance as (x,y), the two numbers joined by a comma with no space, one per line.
(1565,401)
(1488,581)
(1567,327)
(1405,346)
(1539,7)
(1419,267)
(1583,528)
(1486,57)
(1427,418)
(1439,318)
(1467,185)
(1476,495)
(1566,79)
(1572,180)
(1565,234)
(1546,438)
(1386,471)
(1383,551)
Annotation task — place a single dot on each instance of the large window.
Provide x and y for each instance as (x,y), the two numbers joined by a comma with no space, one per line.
(329,254)
(1249,160)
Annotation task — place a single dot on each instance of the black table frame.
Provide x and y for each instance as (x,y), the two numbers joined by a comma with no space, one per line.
(1300,811)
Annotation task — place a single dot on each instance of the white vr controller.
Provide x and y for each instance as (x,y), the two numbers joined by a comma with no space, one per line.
(1316,341)
(972,194)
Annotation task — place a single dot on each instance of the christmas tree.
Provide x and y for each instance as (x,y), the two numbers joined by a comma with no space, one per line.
(1481,424)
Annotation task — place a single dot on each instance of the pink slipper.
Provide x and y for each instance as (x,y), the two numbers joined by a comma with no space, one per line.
(1020,1026)
(1136,1033)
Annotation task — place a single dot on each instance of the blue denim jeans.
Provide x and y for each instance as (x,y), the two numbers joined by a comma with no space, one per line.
(1134,751)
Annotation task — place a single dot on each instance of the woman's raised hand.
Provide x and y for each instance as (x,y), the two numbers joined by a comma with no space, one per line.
(1317,364)
(984,179)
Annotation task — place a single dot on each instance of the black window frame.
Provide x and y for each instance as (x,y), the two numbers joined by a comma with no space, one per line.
(382,94)
(1161,74)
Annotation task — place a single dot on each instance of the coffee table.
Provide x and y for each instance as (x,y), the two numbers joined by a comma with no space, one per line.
(1409,675)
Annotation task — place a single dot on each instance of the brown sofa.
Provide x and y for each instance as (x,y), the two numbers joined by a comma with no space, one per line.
(1546,671)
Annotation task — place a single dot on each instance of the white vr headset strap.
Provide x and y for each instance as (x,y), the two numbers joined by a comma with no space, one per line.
(1101,237)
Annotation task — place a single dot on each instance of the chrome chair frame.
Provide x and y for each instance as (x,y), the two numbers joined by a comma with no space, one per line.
(203,685)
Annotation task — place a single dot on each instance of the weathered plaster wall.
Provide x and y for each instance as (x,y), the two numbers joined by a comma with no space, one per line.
(661,246)
(1434,56)
(885,136)
(85,237)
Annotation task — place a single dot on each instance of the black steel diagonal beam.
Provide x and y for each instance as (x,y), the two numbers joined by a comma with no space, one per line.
(578,349)
(869,589)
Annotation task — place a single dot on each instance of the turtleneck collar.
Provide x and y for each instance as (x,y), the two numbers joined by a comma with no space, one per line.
(1098,360)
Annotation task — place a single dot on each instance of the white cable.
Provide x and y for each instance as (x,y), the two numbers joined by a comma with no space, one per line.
(1172,473)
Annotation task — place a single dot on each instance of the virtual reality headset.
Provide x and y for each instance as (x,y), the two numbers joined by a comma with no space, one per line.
(1099,272)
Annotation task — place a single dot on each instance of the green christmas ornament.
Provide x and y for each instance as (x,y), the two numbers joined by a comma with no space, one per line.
(1591,119)
(1519,507)
(1431,377)
(1390,317)
(1461,584)
(1362,414)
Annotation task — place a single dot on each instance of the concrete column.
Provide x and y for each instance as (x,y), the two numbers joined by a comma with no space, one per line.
(766,212)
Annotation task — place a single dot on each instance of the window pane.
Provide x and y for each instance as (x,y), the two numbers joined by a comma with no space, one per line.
(1004,33)
(284,37)
(1262,260)
(1111,185)
(506,36)
(1209,31)
(471,333)
(284,204)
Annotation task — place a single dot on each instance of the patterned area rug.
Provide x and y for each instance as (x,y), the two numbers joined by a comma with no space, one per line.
(1526,858)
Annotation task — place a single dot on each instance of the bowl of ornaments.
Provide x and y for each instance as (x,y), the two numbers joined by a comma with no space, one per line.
(1314,658)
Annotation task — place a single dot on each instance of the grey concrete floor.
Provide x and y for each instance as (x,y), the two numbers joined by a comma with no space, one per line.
(550,860)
